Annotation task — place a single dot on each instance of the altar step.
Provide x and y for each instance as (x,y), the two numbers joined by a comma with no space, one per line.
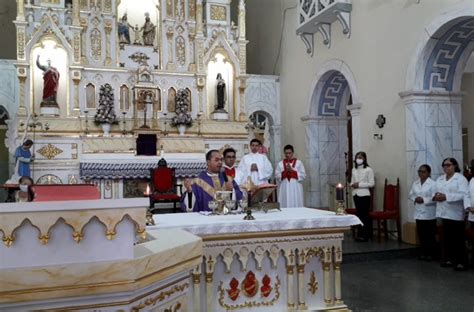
(355,252)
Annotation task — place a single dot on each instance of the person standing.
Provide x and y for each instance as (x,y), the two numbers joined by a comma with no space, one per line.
(469,204)
(361,182)
(24,158)
(255,165)
(203,188)
(229,162)
(425,211)
(289,174)
(451,189)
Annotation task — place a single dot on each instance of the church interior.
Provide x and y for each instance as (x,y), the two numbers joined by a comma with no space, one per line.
(102,96)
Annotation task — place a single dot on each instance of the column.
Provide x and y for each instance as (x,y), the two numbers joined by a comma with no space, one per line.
(75,13)
(337,276)
(21,100)
(209,282)
(311,160)
(328,300)
(433,130)
(196,275)
(75,109)
(242,116)
(355,119)
(20,16)
(301,283)
(290,279)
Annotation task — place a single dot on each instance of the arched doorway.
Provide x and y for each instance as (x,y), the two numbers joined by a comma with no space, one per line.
(433,100)
(332,131)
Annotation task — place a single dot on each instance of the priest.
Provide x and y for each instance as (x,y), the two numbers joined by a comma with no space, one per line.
(290,174)
(255,165)
(202,189)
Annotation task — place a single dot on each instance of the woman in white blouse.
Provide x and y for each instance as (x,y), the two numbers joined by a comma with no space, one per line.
(425,211)
(451,188)
(469,203)
(362,180)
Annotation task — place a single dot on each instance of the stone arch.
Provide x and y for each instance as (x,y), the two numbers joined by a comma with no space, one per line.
(432,98)
(326,125)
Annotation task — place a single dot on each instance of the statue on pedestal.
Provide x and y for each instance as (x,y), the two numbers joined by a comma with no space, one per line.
(123,30)
(50,83)
(148,31)
(220,94)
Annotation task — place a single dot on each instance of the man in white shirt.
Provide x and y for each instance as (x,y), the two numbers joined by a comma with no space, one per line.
(290,173)
(255,165)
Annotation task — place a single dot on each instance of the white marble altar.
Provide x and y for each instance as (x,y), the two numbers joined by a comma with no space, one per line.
(283,260)
(92,255)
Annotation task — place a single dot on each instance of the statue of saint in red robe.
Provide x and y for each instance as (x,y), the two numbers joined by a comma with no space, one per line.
(50,83)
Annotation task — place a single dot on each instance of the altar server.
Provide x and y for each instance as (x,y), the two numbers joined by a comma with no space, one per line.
(451,189)
(229,162)
(425,211)
(24,158)
(255,165)
(202,189)
(290,174)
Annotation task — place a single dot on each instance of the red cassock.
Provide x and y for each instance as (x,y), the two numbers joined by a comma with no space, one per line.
(293,174)
(230,172)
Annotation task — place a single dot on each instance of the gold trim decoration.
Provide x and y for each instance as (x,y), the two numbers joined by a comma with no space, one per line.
(313,283)
(160,297)
(78,220)
(218,12)
(49,151)
(248,304)
(275,234)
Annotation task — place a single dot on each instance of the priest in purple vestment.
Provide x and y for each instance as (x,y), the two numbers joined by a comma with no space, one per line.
(201,190)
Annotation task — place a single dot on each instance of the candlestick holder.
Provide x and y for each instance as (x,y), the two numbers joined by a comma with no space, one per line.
(165,131)
(340,209)
(199,115)
(149,215)
(86,115)
(124,124)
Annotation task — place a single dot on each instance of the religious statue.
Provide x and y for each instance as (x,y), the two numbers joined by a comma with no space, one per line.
(220,94)
(123,30)
(105,112)
(148,31)
(50,83)
(182,106)
(136,31)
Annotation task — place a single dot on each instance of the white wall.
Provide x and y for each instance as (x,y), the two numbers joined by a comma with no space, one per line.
(382,43)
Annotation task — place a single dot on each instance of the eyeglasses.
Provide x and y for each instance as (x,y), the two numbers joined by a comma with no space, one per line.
(447,165)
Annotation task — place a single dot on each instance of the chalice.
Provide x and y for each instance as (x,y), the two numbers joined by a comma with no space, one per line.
(213,204)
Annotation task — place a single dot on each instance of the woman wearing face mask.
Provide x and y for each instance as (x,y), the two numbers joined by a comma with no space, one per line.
(362,180)
(23,194)
(451,188)
(425,212)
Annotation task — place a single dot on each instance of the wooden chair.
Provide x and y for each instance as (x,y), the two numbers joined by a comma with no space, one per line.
(163,185)
(391,211)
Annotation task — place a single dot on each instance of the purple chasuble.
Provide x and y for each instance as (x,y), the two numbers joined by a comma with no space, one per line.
(202,197)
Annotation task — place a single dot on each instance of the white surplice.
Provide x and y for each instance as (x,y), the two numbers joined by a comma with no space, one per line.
(290,193)
(259,177)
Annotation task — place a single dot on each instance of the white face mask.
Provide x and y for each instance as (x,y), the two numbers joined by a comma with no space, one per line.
(359,161)
(23,188)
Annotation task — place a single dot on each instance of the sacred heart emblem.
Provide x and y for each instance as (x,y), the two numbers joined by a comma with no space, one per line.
(250,285)
(234,291)
(266,289)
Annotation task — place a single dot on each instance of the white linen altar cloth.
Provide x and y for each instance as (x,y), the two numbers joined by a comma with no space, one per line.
(287,219)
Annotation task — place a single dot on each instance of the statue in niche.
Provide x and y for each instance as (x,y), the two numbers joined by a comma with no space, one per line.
(220,93)
(50,83)
(148,31)
(124,30)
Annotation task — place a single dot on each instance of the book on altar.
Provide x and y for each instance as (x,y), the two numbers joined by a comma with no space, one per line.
(261,192)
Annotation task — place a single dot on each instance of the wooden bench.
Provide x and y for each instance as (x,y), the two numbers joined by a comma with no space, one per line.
(61,192)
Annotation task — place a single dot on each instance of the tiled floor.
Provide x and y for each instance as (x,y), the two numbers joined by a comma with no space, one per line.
(386,277)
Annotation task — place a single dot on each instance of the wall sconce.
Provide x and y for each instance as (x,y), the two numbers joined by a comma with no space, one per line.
(380,121)
(378,136)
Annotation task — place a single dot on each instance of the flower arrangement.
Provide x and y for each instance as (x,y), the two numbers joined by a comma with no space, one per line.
(182,106)
(105,112)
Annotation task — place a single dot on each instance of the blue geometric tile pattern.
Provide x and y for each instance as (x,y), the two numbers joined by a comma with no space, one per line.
(441,65)
(136,170)
(331,95)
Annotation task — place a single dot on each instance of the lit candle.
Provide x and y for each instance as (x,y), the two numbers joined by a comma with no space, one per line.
(340,192)
(147,192)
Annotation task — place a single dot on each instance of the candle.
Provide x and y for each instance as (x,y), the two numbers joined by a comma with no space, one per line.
(340,192)
(147,192)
